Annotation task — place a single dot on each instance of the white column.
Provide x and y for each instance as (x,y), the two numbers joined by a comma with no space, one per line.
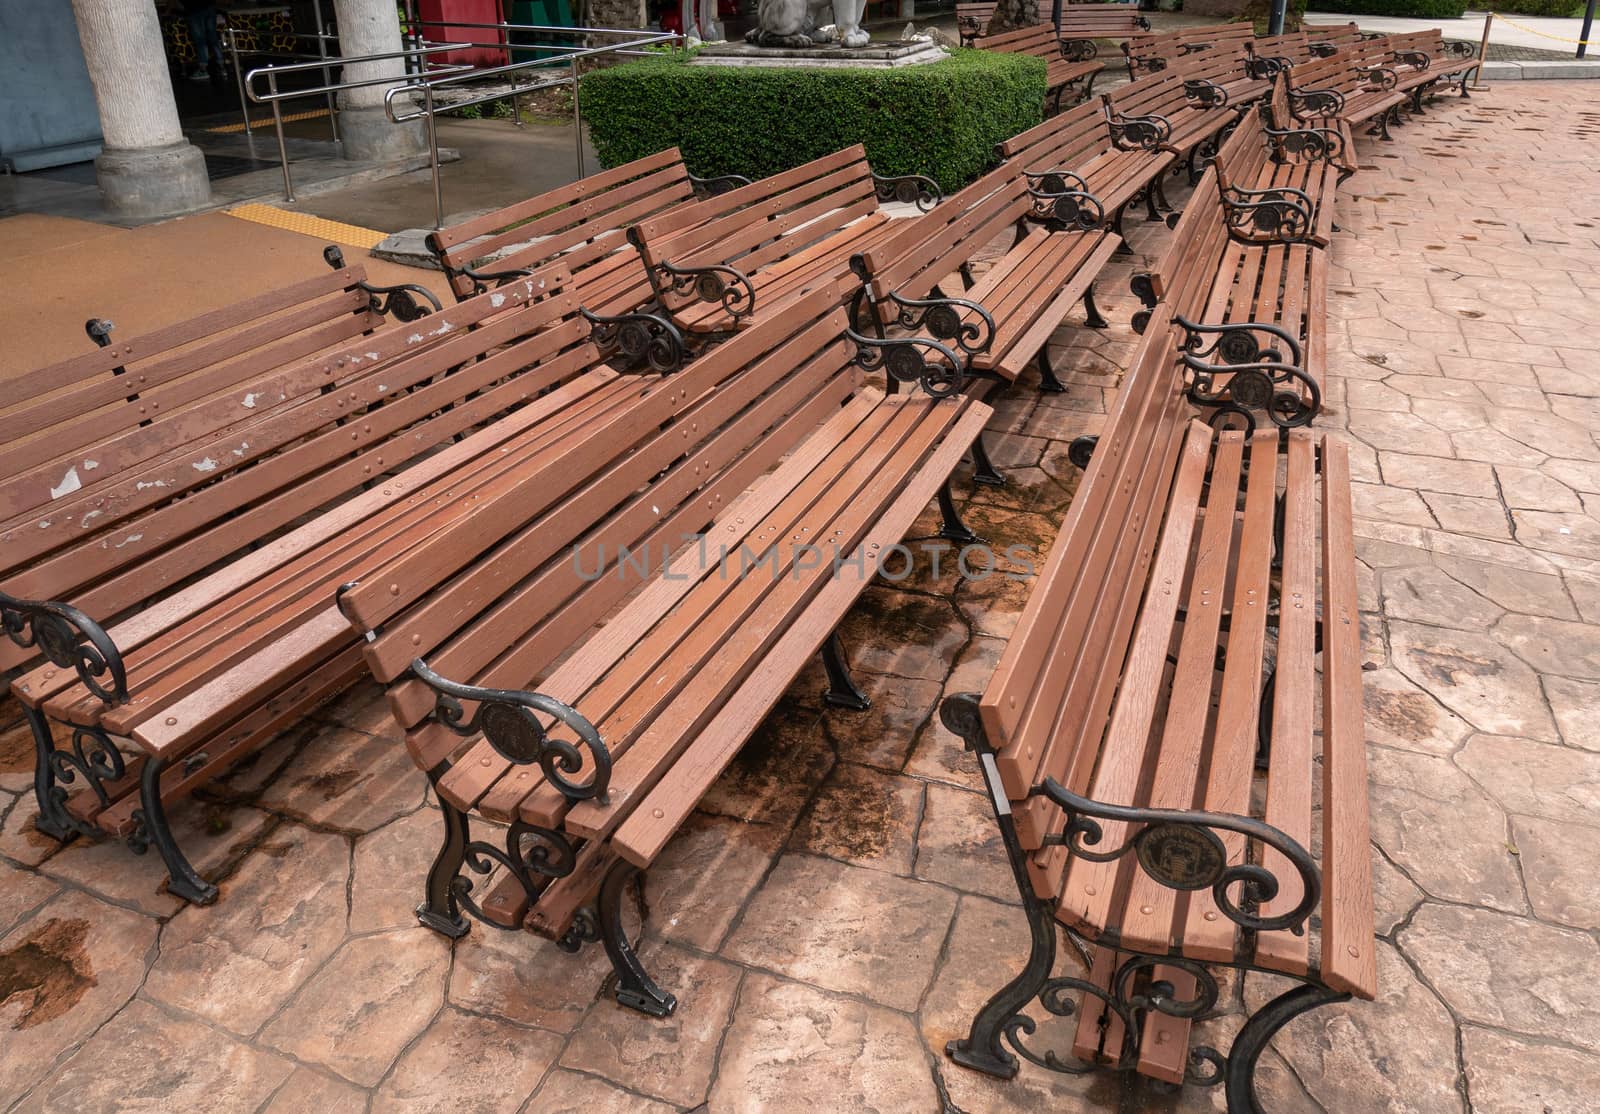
(372,27)
(147,168)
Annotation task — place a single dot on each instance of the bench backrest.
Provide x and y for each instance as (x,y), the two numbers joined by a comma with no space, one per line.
(1336,71)
(1224,63)
(1164,46)
(1038,40)
(1336,36)
(934,245)
(529,567)
(1182,277)
(973,19)
(767,221)
(581,223)
(1065,141)
(1242,155)
(1047,706)
(1291,47)
(1101,21)
(196,478)
(1159,94)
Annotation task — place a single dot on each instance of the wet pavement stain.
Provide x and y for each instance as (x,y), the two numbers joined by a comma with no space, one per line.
(47,973)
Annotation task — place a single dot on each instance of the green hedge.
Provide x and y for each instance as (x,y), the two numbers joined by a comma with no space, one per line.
(1417,9)
(1561,9)
(942,119)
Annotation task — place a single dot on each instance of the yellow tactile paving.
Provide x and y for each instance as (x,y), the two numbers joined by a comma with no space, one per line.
(308,225)
(228,129)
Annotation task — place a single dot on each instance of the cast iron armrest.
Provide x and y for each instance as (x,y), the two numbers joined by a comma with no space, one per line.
(1462,49)
(644,339)
(1263,67)
(906,360)
(1316,102)
(1062,197)
(1141,23)
(1381,76)
(717,183)
(1322,49)
(1079,50)
(68,639)
(1130,133)
(399,300)
(1206,91)
(968,28)
(1420,59)
(1194,48)
(1281,215)
(912,189)
(1135,64)
(521,727)
(1312,143)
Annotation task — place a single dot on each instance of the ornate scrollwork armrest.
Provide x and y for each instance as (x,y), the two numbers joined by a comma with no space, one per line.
(1138,133)
(520,726)
(1141,22)
(1264,67)
(1461,49)
(968,28)
(68,639)
(1236,343)
(906,360)
(1079,50)
(715,184)
(1194,48)
(713,282)
(942,317)
(1181,850)
(1380,77)
(644,339)
(1067,208)
(1258,376)
(483,281)
(1418,58)
(1322,49)
(1316,102)
(1280,215)
(911,189)
(400,301)
(1326,144)
(1208,93)
(1152,63)
(1143,286)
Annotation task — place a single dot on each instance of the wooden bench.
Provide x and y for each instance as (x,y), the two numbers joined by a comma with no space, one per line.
(1329,39)
(1078,21)
(1424,60)
(236,517)
(1351,85)
(1227,76)
(1002,321)
(1157,113)
(1154,51)
(1068,64)
(972,20)
(1154,775)
(1246,277)
(1085,173)
(766,243)
(569,653)
(1272,53)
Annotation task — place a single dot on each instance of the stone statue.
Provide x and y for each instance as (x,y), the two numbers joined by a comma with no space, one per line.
(794,23)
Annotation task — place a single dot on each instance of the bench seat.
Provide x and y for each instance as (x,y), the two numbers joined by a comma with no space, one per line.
(1066,63)
(1158,743)
(1345,86)
(660,585)
(1422,59)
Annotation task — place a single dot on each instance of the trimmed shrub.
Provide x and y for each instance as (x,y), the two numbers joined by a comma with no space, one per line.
(1560,9)
(942,119)
(1417,9)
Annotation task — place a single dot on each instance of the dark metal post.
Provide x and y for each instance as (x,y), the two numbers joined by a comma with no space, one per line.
(1055,16)
(1588,23)
(1276,17)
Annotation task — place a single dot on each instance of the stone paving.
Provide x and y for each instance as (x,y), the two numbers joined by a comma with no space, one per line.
(839,907)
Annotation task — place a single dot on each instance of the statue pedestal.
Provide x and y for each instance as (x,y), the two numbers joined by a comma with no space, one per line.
(875,56)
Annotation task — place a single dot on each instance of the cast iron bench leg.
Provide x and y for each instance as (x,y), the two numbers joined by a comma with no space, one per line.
(53,819)
(151,827)
(842,691)
(635,988)
(439,910)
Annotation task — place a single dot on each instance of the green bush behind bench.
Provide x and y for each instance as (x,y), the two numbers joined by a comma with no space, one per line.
(1416,9)
(942,119)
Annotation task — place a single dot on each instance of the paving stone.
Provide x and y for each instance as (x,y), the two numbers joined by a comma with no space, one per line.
(824,923)
(882,735)
(938,754)
(1572,533)
(237,962)
(1447,834)
(1393,1054)
(148,1058)
(1553,646)
(1429,473)
(1379,428)
(213,836)
(1585,593)
(1426,594)
(569,1092)
(789,1040)
(21,892)
(1531,489)
(364,1007)
(959,844)
(63,973)
(1475,677)
(1400,714)
(863,817)
(1509,972)
(20,841)
(668,1058)
(489,1064)
(1560,863)
(1390,504)
(16,750)
(902,633)
(349,781)
(309,1090)
(524,978)
(704,876)
(1394,896)
(1554,782)
(1531,593)
(391,867)
(1577,709)
(776,772)
(1463,514)
(1510,1076)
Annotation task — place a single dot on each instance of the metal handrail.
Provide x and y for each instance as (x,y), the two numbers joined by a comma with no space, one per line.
(275,97)
(559,56)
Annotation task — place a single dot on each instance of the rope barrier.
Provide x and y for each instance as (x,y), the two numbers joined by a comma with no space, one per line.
(1545,35)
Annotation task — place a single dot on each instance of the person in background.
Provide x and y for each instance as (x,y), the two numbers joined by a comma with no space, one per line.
(202,17)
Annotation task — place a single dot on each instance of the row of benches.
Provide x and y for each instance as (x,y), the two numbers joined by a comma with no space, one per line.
(274,499)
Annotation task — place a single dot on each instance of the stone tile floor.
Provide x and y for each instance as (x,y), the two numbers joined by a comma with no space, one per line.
(840,906)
